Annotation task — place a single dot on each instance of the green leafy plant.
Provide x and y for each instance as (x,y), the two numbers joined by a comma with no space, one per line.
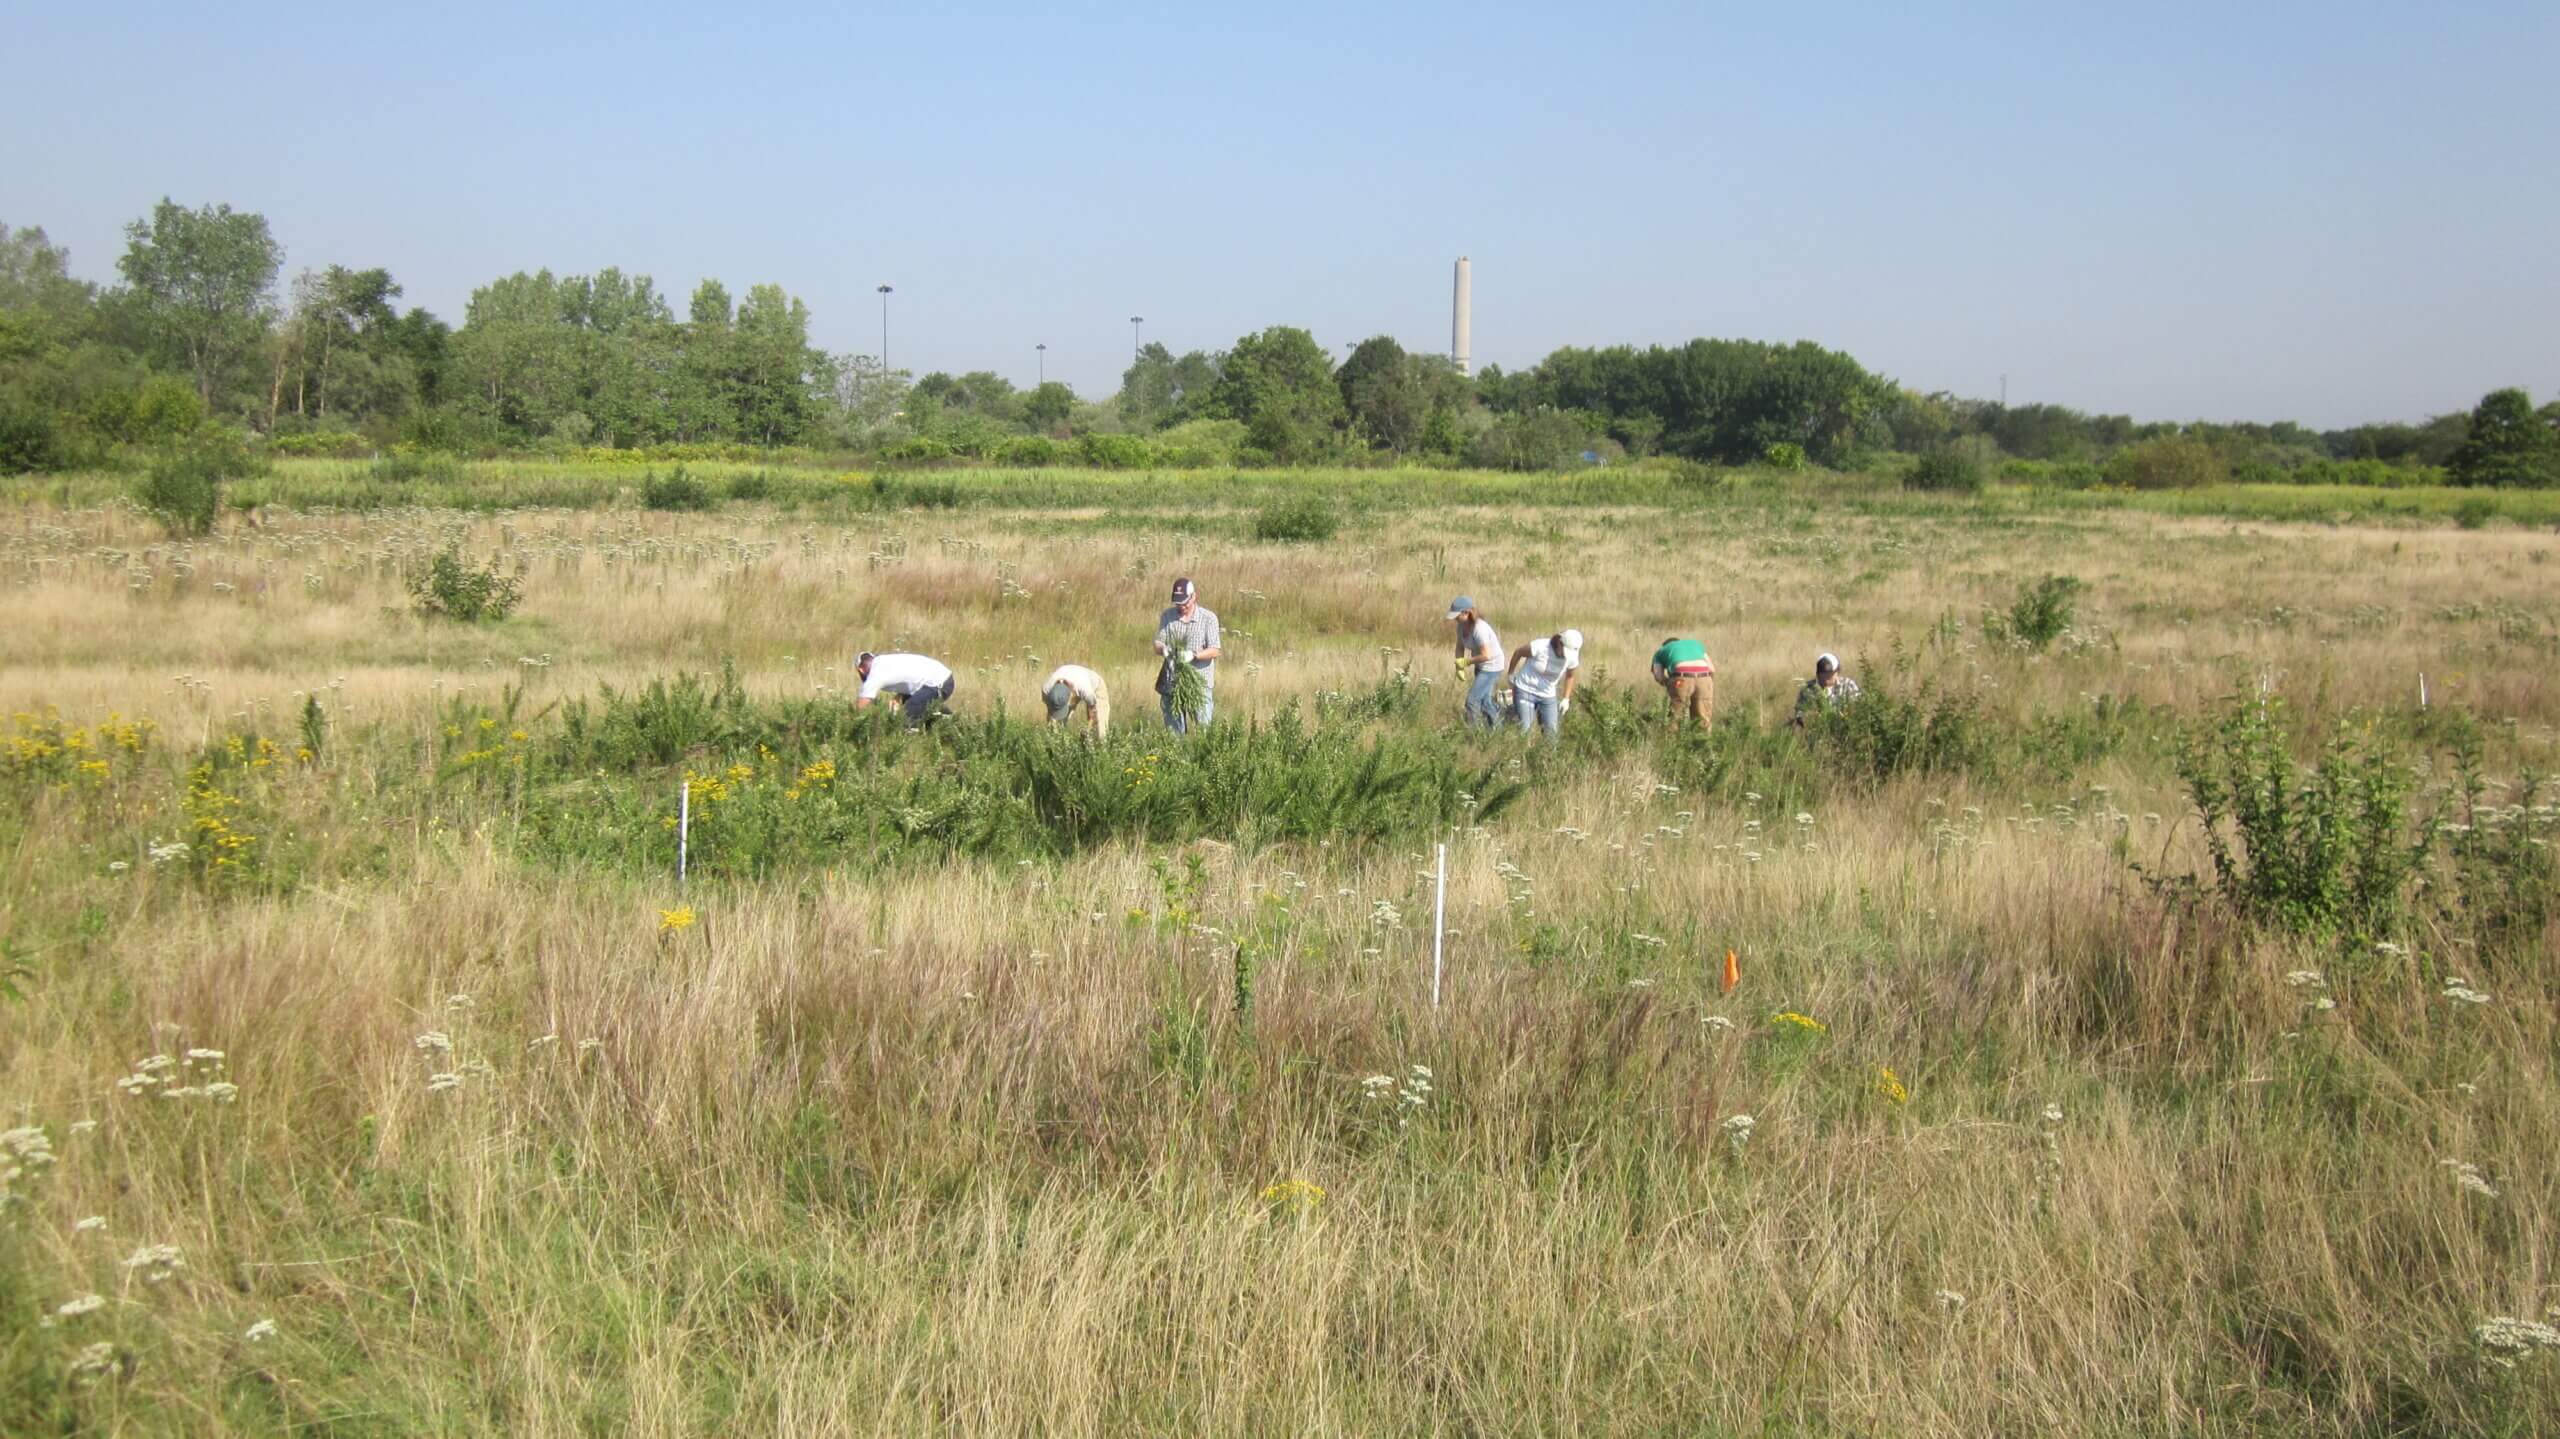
(2039,615)
(675,490)
(1305,518)
(1784,455)
(1945,470)
(183,487)
(451,589)
(2324,849)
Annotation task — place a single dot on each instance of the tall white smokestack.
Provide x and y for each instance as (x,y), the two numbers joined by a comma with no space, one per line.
(1460,321)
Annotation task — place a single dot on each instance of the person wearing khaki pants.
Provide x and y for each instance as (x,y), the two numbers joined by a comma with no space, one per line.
(1688,680)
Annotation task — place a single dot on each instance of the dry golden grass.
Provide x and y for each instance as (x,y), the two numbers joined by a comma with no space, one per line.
(973,1148)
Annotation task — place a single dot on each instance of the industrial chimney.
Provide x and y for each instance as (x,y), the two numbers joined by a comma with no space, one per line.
(1460,322)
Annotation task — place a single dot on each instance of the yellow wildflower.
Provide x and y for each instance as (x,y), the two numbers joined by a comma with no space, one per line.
(680,917)
(1890,1086)
(1297,1195)
(1805,1022)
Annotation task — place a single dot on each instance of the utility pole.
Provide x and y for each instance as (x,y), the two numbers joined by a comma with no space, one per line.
(1134,322)
(884,332)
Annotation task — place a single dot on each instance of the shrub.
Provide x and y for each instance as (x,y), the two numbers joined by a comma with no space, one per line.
(2039,615)
(321,444)
(1116,452)
(677,489)
(1945,470)
(1306,517)
(888,492)
(411,466)
(451,589)
(1784,455)
(2171,462)
(753,485)
(1031,452)
(921,449)
(2324,850)
(1200,444)
(1544,440)
(183,487)
(28,440)
(2475,511)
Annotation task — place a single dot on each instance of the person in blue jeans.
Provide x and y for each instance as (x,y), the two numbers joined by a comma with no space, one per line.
(1192,631)
(1480,661)
(1543,674)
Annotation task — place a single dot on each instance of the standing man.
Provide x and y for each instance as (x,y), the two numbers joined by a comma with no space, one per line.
(1543,674)
(1187,634)
(1479,654)
(1828,690)
(1072,685)
(920,682)
(1688,680)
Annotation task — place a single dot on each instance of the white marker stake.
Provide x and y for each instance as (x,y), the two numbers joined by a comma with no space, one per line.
(684,827)
(2422,689)
(1439,921)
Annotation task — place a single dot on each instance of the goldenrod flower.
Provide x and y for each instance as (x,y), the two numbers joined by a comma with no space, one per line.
(1891,1087)
(1804,1022)
(681,917)
(1297,1195)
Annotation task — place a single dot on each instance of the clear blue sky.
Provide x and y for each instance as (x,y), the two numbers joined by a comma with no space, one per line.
(2329,212)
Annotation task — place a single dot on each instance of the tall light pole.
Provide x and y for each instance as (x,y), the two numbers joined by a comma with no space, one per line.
(1134,322)
(884,332)
(1043,348)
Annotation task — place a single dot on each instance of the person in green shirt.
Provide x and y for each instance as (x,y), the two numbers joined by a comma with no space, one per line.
(1688,680)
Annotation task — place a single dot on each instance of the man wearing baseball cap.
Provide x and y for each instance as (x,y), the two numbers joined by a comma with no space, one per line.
(1479,660)
(1543,674)
(1187,633)
(1828,690)
(1072,685)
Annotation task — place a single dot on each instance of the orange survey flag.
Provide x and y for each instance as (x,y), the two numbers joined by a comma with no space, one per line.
(1732,972)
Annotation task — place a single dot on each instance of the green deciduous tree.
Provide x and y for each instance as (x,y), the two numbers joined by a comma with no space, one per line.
(201,284)
(1279,383)
(2509,445)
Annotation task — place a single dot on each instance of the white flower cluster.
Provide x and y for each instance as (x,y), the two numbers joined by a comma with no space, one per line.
(156,1263)
(2508,1339)
(1411,1093)
(2302,978)
(93,1361)
(2470,1177)
(25,1154)
(1737,1130)
(2460,991)
(1385,915)
(196,1075)
(259,1332)
(85,1304)
(1949,1300)
(1716,1024)
(168,851)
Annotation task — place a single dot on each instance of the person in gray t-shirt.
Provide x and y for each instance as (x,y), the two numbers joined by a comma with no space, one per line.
(1192,629)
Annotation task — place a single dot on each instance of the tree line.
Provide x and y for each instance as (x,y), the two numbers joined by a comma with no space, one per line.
(199,335)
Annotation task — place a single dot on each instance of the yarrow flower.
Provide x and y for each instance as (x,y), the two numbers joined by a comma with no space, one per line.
(155,1262)
(2470,1177)
(1716,1024)
(2508,1339)
(2461,992)
(1737,1130)
(2301,977)
(438,1083)
(85,1304)
(434,1041)
(90,1225)
(1950,1300)
(259,1332)
(93,1361)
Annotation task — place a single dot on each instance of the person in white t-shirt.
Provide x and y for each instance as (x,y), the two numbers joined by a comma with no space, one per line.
(1072,685)
(920,682)
(1479,658)
(1543,674)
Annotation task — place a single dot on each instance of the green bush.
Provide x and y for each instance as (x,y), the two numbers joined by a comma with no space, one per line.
(1115,452)
(183,487)
(2039,615)
(2475,511)
(1030,452)
(753,485)
(889,492)
(920,449)
(675,490)
(1200,444)
(320,444)
(2324,850)
(1302,518)
(1784,455)
(28,439)
(2171,462)
(1945,470)
(414,467)
(451,589)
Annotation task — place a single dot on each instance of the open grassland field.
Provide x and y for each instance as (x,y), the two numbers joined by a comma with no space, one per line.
(362,1057)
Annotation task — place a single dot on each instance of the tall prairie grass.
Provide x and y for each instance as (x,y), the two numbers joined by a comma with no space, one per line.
(1161,1132)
